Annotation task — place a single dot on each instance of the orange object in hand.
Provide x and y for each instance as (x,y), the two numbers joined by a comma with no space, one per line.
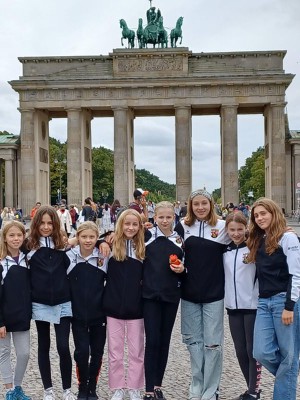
(173,259)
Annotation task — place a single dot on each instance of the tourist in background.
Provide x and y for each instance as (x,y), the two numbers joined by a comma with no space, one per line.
(34,209)
(7,215)
(65,219)
(276,254)
(151,210)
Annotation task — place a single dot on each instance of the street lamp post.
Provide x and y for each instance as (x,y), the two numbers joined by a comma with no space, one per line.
(59,163)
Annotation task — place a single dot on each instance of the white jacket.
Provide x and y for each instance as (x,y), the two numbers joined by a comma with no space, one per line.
(241,284)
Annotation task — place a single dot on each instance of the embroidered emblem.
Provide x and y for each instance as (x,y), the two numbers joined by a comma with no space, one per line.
(214,233)
(245,258)
(100,262)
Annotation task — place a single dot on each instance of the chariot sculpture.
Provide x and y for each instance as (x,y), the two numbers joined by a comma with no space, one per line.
(153,33)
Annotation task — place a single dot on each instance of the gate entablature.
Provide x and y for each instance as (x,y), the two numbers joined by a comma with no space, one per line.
(138,82)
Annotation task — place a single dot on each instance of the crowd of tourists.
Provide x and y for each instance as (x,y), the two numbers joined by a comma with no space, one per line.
(124,285)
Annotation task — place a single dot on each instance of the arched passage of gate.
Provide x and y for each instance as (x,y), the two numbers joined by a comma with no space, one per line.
(145,82)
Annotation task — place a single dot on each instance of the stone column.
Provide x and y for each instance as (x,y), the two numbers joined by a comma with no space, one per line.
(122,159)
(78,154)
(9,186)
(183,144)
(296,173)
(1,185)
(28,185)
(229,155)
(275,153)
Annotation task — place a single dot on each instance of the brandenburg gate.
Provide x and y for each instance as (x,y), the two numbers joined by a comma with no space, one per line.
(129,83)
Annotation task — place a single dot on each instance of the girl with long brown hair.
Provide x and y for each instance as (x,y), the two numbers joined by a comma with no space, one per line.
(276,253)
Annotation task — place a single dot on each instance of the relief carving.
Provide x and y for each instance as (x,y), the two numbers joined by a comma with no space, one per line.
(146,65)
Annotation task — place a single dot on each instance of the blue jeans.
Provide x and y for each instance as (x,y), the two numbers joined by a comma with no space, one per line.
(202,328)
(276,346)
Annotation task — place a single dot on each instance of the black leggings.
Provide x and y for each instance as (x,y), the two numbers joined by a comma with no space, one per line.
(89,348)
(241,328)
(159,318)
(62,333)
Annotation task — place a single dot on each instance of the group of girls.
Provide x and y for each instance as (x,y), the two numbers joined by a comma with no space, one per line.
(142,294)
(65,286)
(261,278)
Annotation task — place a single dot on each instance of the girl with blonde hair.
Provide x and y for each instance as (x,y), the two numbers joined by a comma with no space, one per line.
(122,303)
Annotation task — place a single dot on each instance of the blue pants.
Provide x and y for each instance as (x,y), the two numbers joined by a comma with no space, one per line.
(202,328)
(276,346)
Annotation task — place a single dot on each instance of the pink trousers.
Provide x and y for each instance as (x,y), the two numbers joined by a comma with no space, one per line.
(120,332)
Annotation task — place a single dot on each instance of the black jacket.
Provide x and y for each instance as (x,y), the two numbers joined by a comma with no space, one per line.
(159,281)
(15,300)
(203,246)
(87,277)
(48,274)
(123,291)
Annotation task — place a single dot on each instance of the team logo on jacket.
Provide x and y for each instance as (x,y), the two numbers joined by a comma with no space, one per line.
(214,233)
(100,262)
(245,258)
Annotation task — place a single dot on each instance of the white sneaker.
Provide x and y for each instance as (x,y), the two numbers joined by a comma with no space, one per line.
(68,395)
(118,395)
(134,394)
(49,394)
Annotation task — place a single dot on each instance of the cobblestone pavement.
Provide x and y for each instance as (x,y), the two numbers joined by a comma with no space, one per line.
(176,379)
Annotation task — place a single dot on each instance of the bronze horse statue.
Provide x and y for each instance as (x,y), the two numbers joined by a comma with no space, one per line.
(176,32)
(140,34)
(127,34)
(162,34)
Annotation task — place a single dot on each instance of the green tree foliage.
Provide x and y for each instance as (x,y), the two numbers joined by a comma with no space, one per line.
(6,133)
(158,189)
(103,176)
(252,176)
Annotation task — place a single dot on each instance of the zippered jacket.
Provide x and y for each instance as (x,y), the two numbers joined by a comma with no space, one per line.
(123,290)
(48,273)
(87,277)
(15,299)
(204,246)
(159,281)
(280,271)
(241,284)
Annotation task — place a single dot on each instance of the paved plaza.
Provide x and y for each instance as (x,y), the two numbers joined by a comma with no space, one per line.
(177,375)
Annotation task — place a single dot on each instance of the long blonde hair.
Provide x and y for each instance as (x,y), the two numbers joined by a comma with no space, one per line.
(119,244)
(275,231)
(3,244)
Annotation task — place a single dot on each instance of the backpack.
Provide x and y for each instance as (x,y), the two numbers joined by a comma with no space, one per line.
(93,216)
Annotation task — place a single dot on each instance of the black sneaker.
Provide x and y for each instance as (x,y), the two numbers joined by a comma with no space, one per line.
(158,394)
(148,397)
(247,396)
(92,395)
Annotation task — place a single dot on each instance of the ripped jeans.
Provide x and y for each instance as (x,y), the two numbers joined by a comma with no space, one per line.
(202,329)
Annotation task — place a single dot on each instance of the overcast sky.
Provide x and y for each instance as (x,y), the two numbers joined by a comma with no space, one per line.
(76,27)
